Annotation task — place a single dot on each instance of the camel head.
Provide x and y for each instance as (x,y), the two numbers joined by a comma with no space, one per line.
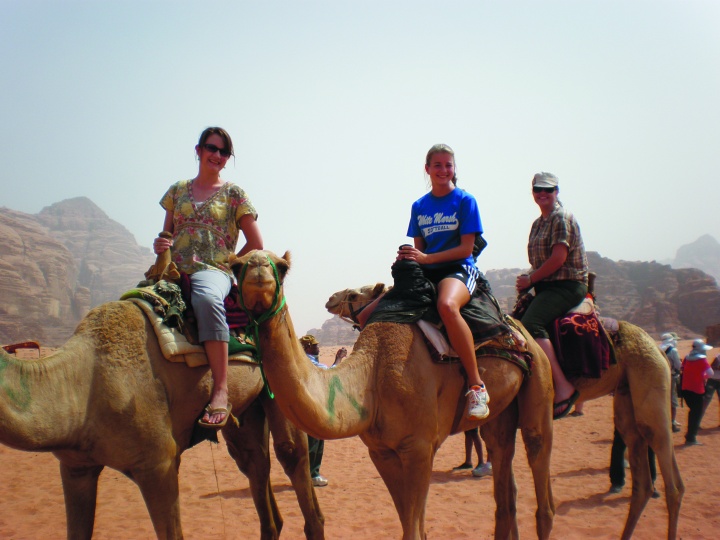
(347,303)
(260,275)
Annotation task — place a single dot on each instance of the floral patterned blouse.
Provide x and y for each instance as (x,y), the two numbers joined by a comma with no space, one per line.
(206,233)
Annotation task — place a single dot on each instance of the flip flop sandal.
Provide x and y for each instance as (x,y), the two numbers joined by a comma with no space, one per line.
(210,411)
(569,402)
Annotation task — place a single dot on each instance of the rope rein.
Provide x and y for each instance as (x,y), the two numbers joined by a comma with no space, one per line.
(217,487)
(253,327)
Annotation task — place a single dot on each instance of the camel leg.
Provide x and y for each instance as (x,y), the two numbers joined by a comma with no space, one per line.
(535,416)
(409,492)
(80,490)
(499,436)
(674,487)
(291,449)
(653,427)
(160,490)
(248,445)
(626,424)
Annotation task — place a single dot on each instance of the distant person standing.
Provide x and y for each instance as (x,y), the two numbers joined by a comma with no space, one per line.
(712,386)
(579,409)
(669,347)
(696,370)
(617,466)
(473,440)
(316,447)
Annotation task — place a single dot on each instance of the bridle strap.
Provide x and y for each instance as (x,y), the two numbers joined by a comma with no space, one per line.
(353,314)
(253,327)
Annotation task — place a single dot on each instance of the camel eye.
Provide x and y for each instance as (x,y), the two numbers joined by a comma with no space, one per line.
(352,297)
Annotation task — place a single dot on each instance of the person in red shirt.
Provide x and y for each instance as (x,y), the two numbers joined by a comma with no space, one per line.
(696,370)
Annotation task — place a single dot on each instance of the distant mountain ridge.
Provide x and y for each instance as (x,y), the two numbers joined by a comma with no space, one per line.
(703,254)
(71,257)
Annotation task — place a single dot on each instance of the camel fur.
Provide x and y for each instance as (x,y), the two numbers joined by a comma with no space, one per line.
(640,384)
(401,404)
(108,398)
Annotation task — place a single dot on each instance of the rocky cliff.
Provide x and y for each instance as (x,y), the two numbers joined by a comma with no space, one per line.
(654,296)
(335,332)
(70,257)
(59,263)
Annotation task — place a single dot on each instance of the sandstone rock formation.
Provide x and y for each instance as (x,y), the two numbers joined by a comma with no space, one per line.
(70,257)
(56,265)
(335,332)
(654,296)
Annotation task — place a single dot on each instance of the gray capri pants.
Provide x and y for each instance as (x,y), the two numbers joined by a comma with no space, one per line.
(209,290)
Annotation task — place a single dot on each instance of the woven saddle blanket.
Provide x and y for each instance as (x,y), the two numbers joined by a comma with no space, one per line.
(163,306)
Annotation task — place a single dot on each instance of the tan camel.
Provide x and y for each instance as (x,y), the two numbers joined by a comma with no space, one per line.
(108,398)
(402,409)
(640,382)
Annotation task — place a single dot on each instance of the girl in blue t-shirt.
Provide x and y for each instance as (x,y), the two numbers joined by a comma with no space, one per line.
(443,225)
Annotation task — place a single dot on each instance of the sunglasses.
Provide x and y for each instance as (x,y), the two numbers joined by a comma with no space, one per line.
(212,149)
(543,189)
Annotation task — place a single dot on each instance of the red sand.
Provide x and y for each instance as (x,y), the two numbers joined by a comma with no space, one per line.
(216,503)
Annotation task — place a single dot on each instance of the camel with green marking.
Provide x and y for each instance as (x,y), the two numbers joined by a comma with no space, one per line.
(108,398)
(640,383)
(401,404)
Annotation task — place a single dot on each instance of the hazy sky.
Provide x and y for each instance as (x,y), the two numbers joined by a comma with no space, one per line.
(333,104)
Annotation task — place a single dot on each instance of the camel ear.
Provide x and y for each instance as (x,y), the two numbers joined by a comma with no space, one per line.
(282,264)
(378,289)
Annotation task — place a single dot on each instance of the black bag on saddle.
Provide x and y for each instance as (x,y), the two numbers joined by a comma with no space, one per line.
(413,297)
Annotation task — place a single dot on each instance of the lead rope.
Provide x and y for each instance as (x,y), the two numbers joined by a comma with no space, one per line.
(217,489)
(254,324)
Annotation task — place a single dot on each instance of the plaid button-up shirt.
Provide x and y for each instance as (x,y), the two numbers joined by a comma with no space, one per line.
(560,227)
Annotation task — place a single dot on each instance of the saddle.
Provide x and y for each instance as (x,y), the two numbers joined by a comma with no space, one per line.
(163,305)
(412,299)
(583,341)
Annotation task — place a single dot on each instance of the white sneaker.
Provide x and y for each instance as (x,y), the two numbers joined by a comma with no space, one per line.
(478,403)
(319,481)
(482,470)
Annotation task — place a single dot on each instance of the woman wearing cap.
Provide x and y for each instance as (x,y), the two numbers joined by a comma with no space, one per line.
(205,216)
(559,276)
(696,370)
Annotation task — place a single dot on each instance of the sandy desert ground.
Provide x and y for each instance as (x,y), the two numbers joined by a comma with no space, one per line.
(216,502)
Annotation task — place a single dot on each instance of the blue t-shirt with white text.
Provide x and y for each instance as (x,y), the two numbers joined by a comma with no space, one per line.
(441,221)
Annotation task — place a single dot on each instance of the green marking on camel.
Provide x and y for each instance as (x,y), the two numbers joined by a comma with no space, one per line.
(20,399)
(335,387)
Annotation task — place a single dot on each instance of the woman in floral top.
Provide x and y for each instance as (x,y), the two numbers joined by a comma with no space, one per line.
(205,216)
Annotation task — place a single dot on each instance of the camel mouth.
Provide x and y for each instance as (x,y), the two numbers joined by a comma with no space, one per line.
(332,305)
